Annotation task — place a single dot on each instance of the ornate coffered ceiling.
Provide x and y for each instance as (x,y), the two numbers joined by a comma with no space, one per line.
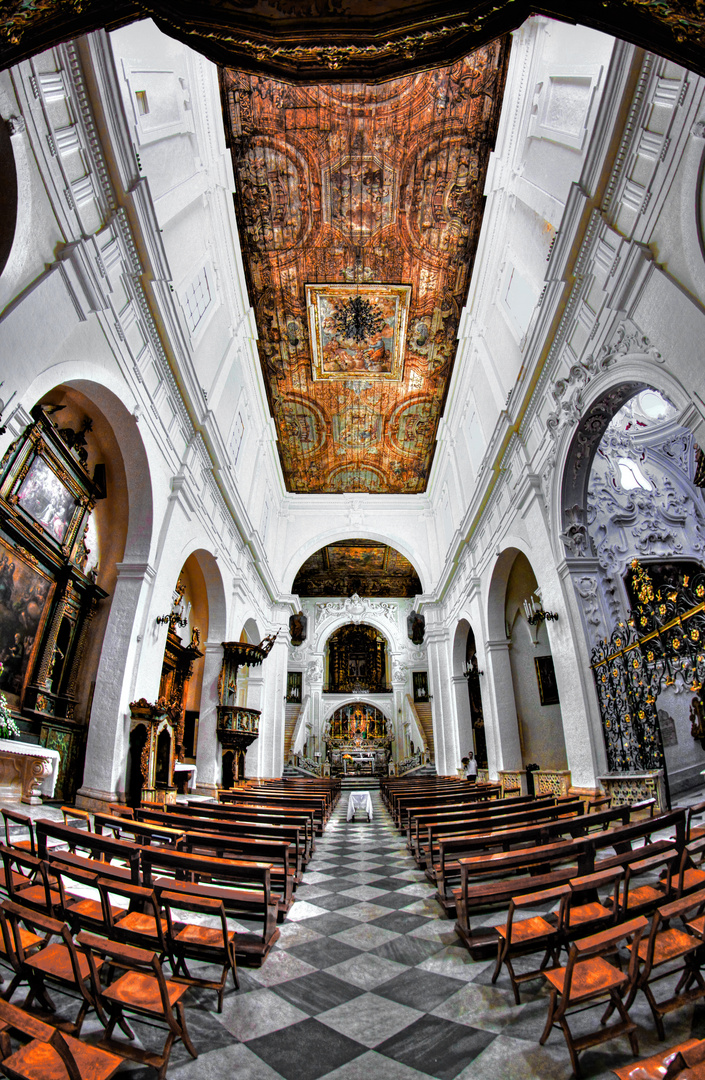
(365,567)
(359,209)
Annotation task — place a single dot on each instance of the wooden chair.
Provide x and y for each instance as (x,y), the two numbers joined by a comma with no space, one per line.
(50,1054)
(26,822)
(79,911)
(519,937)
(659,1066)
(586,980)
(28,881)
(74,816)
(690,874)
(671,950)
(138,923)
(583,912)
(644,898)
(56,961)
(141,990)
(192,941)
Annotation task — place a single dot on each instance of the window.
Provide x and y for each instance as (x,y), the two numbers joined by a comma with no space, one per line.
(631,477)
(142,103)
(197,298)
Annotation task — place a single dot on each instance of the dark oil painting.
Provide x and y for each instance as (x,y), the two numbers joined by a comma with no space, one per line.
(24,593)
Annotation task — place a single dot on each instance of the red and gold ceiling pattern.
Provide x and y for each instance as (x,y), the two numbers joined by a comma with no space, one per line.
(359,208)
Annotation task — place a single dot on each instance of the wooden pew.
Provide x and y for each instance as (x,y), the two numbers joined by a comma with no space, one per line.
(244,887)
(100,848)
(233,848)
(234,827)
(227,812)
(510,819)
(416,823)
(248,802)
(140,833)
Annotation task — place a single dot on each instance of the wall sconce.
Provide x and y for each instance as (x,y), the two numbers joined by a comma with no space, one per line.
(535,615)
(178,616)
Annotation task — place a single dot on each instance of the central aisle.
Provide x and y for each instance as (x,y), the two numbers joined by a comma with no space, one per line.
(369,982)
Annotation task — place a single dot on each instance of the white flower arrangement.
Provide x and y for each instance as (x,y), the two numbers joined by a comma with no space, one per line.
(8,727)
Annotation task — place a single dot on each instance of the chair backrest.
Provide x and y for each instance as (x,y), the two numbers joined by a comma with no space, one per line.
(19,819)
(126,958)
(33,870)
(602,943)
(139,899)
(32,1028)
(12,915)
(73,816)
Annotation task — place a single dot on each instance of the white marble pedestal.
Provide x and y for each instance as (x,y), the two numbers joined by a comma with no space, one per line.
(27,771)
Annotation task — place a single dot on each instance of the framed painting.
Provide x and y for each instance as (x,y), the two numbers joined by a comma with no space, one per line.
(357,330)
(546,678)
(43,496)
(25,599)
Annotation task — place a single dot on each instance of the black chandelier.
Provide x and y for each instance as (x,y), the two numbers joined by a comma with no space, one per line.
(357,319)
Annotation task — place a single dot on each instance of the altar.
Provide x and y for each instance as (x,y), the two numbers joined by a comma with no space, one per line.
(27,771)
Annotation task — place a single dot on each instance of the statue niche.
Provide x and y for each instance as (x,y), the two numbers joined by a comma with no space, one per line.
(357,661)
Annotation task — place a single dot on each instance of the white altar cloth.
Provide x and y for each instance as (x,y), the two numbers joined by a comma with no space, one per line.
(191,769)
(360,800)
(26,770)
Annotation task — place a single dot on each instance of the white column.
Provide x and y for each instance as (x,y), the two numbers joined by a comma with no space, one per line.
(445,724)
(501,727)
(208,755)
(108,731)
(270,744)
(462,709)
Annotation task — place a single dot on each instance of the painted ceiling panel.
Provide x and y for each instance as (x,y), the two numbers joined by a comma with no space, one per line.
(365,567)
(359,208)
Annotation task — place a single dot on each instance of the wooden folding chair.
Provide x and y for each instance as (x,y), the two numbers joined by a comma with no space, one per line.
(640,899)
(582,911)
(79,911)
(690,874)
(11,816)
(50,1054)
(74,816)
(138,923)
(667,1063)
(193,941)
(56,961)
(28,881)
(141,990)
(519,937)
(586,980)
(667,951)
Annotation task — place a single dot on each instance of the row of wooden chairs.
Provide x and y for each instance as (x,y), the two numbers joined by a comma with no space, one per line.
(111,978)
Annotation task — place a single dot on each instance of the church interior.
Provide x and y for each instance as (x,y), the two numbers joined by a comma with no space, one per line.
(352,540)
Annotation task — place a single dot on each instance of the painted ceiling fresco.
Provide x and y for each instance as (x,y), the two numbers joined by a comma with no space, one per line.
(359,208)
(365,567)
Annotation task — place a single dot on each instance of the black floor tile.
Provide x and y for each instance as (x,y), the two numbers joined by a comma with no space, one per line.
(408,950)
(401,922)
(395,900)
(306,1050)
(419,989)
(331,902)
(324,953)
(390,883)
(330,923)
(437,1047)
(317,992)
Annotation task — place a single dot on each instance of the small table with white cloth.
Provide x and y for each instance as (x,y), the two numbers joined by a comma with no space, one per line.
(360,800)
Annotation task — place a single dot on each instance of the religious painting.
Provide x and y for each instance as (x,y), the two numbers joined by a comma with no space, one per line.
(25,592)
(359,209)
(365,567)
(546,678)
(43,496)
(357,723)
(357,329)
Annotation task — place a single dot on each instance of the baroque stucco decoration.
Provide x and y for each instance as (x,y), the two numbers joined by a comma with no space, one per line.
(359,208)
(350,39)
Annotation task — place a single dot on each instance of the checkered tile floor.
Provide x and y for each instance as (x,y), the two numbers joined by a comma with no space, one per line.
(369,982)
